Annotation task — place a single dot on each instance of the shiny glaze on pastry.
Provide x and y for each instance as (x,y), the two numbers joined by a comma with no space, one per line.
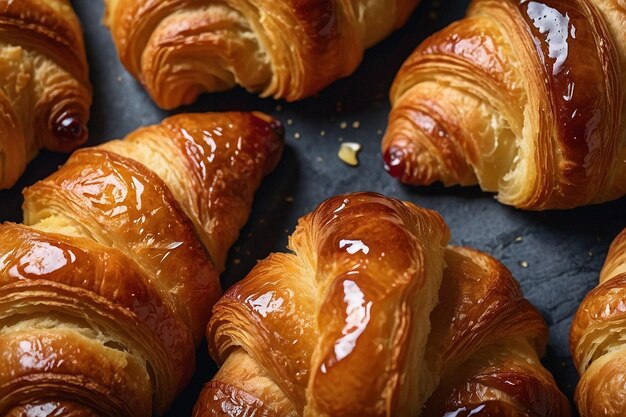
(44,86)
(372,314)
(524,98)
(285,49)
(107,287)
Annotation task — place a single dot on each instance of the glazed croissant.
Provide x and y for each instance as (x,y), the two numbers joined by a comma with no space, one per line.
(108,285)
(372,315)
(286,49)
(44,83)
(597,341)
(524,98)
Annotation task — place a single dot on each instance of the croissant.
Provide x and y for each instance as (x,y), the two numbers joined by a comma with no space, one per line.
(372,315)
(524,98)
(596,339)
(286,49)
(108,285)
(44,83)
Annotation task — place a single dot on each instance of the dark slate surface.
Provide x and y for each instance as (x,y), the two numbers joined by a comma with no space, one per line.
(563,251)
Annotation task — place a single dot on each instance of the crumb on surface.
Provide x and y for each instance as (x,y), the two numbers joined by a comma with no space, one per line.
(348,152)
(356,124)
(289,122)
(523,264)
(343,125)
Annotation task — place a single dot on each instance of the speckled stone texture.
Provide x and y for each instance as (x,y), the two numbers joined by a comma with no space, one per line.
(555,255)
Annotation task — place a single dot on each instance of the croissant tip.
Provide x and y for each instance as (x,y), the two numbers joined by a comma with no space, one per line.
(277,127)
(70,128)
(394,161)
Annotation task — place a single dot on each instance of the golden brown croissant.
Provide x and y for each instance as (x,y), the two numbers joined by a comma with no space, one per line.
(525,98)
(285,49)
(341,327)
(597,339)
(108,286)
(44,82)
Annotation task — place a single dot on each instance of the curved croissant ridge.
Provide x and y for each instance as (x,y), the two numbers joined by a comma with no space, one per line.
(45,94)
(597,339)
(285,49)
(525,99)
(106,289)
(372,314)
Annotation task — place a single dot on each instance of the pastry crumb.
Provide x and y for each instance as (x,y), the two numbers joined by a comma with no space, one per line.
(348,152)
(289,122)
(523,264)
(356,124)
(297,136)
(289,199)
(323,133)
(519,239)
(236,261)
(343,125)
